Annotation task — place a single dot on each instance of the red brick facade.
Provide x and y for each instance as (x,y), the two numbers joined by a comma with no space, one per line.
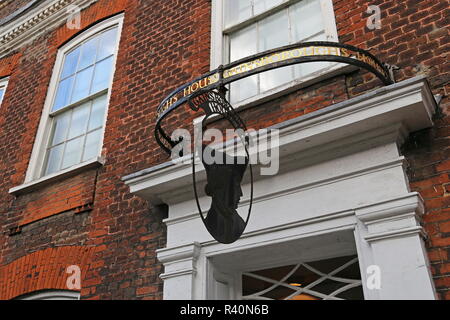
(43,269)
(165,44)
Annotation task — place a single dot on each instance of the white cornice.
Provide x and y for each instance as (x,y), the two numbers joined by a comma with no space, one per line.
(382,116)
(37,21)
(187,252)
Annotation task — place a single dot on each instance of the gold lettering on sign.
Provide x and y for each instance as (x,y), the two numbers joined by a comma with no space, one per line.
(271,59)
(200,84)
(282,56)
(364,58)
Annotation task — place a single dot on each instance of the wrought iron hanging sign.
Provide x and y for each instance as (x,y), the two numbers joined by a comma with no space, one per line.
(206,93)
(224,173)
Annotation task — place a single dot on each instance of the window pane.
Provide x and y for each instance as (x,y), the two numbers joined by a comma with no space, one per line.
(107,44)
(85,71)
(54,159)
(2,91)
(243,89)
(97,113)
(307,19)
(305,69)
(273,33)
(92,145)
(242,43)
(264,5)
(80,117)
(82,84)
(70,63)
(63,93)
(61,125)
(237,10)
(274,78)
(72,153)
(312,275)
(88,53)
(102,75)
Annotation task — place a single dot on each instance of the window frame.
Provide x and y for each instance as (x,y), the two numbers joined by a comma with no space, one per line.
(50,295)
(4,86)
(220,43)
(38,158)
(349,260)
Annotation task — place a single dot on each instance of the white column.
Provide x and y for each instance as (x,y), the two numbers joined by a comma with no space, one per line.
(179,271)
(390,237)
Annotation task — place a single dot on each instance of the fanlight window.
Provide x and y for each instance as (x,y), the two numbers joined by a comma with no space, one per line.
(331,279)
(51,295)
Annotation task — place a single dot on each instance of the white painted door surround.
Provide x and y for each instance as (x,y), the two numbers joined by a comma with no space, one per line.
(341,190)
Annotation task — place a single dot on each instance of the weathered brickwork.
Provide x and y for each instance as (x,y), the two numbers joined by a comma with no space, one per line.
(8,7)
(8,64)
(37,270)
(70,194)
(65,229)
(162,46)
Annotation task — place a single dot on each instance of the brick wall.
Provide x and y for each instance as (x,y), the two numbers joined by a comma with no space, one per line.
(8,7)
(8,64)
(95,208)
(37,270)
(162,46)
(414,36)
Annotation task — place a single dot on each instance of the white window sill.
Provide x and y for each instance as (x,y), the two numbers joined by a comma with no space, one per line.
(54,177)
(335,69)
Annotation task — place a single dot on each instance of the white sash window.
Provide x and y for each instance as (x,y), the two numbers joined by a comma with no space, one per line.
(242,28)
(71,131)
(79,106)
(3,84)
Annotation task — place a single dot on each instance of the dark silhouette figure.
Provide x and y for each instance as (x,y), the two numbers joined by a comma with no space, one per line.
(224,187)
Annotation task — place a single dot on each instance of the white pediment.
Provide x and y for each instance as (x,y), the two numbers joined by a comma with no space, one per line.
(341,190)
(384,115)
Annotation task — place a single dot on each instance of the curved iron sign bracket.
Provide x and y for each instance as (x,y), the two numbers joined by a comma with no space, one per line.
(319,51)
(224,177)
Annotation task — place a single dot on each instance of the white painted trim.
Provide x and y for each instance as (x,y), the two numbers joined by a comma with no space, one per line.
(219,45)
(4,86)
(52,295)
(334,69)
(37,21)
(181,265)
(216,34)
(395,234)
(329,20)
(341,189)
(301,187)
(368,115)
(36,163)
(69,172)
